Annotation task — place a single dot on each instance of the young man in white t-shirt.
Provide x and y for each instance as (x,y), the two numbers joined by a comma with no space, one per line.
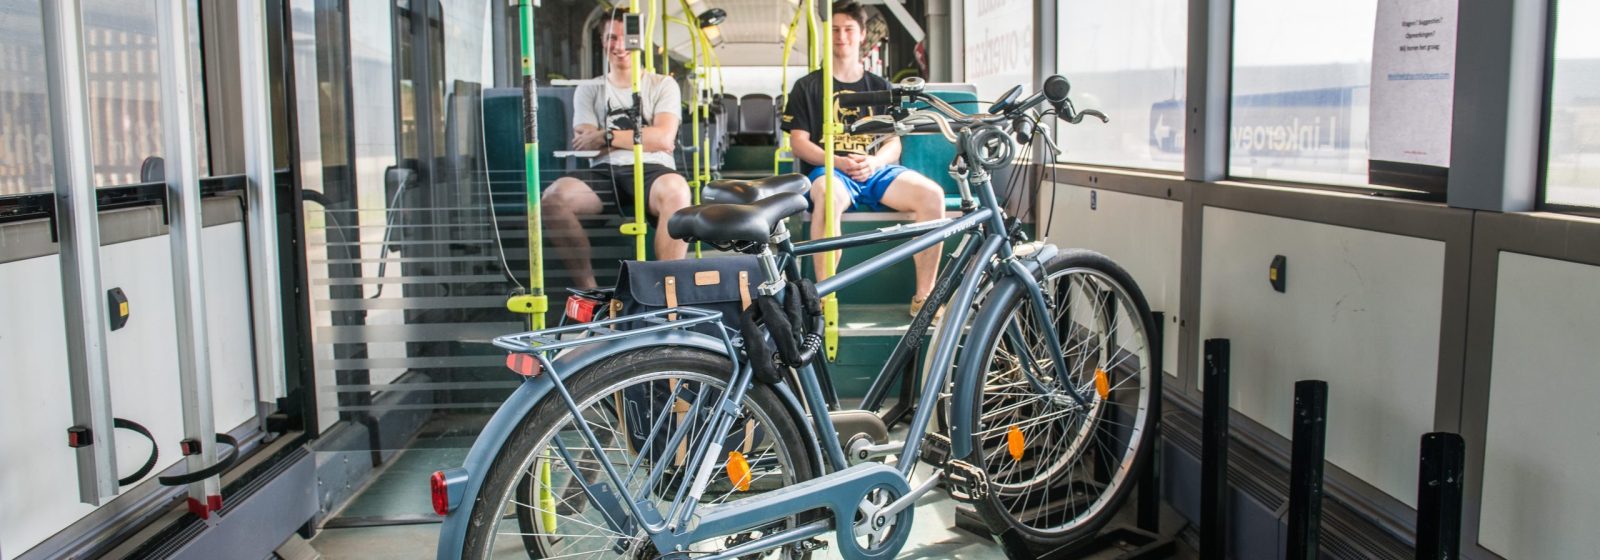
(601,122)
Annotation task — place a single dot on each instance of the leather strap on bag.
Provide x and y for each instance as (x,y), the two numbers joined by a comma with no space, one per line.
(744,289)
(672,296)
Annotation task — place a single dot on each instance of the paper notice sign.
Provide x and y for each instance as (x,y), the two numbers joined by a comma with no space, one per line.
(1413,86)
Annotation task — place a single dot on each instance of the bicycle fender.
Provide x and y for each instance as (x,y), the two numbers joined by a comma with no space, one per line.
(970,372)
(453,533)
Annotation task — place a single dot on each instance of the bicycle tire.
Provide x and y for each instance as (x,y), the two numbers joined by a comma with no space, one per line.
(1064,474)
(506,479)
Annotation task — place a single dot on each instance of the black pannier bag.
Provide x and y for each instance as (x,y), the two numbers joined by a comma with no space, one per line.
(724,284)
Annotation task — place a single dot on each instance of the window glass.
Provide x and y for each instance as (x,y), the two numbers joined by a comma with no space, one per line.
(1302,72)
(1125,58)
(25,158)
(1572,175)
(123,70)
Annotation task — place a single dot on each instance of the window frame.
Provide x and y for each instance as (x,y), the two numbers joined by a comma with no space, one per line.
(1546,110)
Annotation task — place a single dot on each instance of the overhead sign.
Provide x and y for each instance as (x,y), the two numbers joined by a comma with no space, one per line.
(1413,92)
(998,45)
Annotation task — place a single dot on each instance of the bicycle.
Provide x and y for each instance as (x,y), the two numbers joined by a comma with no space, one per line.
(639,437)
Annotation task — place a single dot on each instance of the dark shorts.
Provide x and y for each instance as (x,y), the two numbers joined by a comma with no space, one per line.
(618,180)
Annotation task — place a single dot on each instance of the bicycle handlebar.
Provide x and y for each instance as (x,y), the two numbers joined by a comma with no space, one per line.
(881,98)
(944,117)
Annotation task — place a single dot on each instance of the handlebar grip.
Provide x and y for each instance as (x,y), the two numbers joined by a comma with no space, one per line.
(880,98)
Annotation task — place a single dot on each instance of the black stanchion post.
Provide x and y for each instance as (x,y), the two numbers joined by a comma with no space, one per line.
(1439,496)
(1305,468)
(1149,508)
(1214,453)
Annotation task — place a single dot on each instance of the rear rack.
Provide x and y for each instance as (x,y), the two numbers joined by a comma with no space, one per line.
(549,340)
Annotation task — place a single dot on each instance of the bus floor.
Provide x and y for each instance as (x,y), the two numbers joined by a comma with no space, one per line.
(391,517)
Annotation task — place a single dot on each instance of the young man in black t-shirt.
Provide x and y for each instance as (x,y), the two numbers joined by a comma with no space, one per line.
(867,179)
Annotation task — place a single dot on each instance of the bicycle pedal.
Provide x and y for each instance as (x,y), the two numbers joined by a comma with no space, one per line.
(810,545)
(935,450)
(967,483)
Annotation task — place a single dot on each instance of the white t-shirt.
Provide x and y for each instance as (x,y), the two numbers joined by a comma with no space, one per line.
(600,101)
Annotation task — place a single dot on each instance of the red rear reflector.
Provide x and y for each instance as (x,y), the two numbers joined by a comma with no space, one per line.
(441,493)
(524,364)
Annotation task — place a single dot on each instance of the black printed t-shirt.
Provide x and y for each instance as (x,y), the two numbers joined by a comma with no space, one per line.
(805,110)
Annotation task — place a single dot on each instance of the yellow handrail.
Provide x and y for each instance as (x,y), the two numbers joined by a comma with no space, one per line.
(637,229)
(830,305)
(788,49)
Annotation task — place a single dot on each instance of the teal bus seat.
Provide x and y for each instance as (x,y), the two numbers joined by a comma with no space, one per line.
(930,154)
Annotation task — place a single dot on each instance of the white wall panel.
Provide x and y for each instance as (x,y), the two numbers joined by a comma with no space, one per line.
(233,386)
(1361,311)
(38,476)
(1143,234)
(1539,495)
(38,479)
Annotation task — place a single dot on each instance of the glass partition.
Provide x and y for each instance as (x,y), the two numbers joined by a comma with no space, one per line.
(403,251)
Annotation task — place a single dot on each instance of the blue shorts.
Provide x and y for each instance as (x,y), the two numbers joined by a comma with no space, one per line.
(866,196)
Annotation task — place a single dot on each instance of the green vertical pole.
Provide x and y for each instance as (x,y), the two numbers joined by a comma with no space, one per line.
(535,303)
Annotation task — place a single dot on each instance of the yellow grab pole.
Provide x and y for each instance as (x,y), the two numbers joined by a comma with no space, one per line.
(637,228)
(713,63)
(697,109)
(788,49)
(830,305)
(666,60)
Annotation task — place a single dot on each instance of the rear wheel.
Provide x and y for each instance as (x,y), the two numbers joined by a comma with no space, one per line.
(1059,467)
(534,505)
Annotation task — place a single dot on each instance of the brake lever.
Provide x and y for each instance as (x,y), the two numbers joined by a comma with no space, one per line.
(1078,117)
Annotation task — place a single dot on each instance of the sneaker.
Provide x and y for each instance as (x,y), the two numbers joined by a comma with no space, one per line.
(916,307)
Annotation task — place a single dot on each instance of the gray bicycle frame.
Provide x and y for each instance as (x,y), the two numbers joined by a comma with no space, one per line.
(842,483)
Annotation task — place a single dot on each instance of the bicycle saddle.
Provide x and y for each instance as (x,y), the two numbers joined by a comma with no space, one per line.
(725,224)
(731,191)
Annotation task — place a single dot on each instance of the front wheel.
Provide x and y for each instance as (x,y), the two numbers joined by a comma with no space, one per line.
(545,492)
(1058,466)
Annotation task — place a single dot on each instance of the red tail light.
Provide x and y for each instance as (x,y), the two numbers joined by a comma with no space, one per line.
(582,309)
(441,493)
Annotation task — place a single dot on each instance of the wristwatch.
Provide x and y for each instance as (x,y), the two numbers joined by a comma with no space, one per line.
(609,137)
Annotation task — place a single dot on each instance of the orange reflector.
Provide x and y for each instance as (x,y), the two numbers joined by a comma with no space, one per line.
(1102,384)
(1014,443)
(524,364)
(739,471)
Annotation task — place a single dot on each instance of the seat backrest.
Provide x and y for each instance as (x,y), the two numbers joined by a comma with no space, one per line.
(757,115)
(730,112)
(930,154)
